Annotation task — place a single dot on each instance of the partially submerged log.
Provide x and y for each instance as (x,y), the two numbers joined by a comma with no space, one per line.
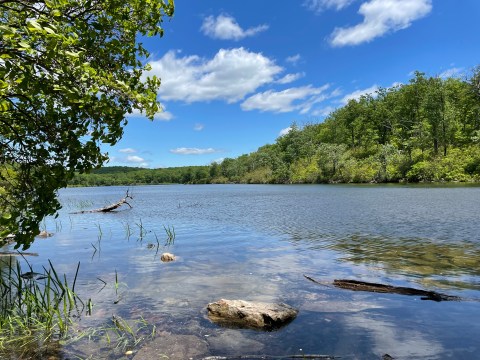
(356,285)
(110,207)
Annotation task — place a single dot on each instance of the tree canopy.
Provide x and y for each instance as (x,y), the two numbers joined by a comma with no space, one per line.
(70,72)
(425,130)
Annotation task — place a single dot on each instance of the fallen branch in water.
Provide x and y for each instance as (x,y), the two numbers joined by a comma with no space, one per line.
(108,208)
(356,285)
(381,288)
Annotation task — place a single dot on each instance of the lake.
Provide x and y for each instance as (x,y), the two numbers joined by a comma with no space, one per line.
(256,242)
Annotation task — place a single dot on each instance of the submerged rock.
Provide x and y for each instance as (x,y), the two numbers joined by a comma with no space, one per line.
(257,315)
(166,257)
(173,347)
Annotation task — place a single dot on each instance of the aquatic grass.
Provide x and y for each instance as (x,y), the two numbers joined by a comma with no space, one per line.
(143,231)
(117,332)
(35,308)
(170,231)
(128,230)
(100,232)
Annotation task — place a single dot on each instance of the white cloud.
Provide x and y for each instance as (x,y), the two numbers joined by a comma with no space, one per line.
(357,94)
(198,127)
(218,161)
(285,131)
(163,116)
(293,99)
(453,72)
(225,27)
(290,78)
(193,151)
(230,75)
(323,111)
(128,151)
(130,160)
(134,159)
(320,5)
(160,116)
(381,17)
(293,59)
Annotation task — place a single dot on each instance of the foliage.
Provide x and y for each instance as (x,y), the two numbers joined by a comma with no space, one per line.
(119,175)
(70,70)
(426,130)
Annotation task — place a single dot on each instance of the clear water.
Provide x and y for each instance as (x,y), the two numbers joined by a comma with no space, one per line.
(255,242)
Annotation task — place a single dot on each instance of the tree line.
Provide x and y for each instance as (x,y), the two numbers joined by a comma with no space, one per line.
(425,130)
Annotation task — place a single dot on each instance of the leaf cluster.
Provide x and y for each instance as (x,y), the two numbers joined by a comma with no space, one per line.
(69,73)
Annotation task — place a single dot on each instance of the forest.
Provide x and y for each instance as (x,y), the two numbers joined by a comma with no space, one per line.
(427,130)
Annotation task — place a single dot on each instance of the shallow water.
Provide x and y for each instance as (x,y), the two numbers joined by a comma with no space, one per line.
(255,242)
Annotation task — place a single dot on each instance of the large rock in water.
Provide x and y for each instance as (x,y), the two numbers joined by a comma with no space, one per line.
(257,315)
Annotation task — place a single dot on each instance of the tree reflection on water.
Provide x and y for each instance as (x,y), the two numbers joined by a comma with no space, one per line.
(439,264)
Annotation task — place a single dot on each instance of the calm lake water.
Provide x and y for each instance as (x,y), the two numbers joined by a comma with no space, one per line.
(256,242)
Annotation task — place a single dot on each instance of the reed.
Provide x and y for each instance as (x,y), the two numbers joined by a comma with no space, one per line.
(170,232)
(35,308)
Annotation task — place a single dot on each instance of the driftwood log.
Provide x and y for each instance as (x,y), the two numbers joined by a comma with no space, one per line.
(110,207)
(356,285)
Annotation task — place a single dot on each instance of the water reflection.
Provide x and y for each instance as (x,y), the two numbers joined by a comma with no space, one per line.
(429,261)
(255,243)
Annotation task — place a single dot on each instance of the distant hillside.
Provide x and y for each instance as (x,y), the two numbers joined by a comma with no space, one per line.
(116,169)
(426,130)
(122,175)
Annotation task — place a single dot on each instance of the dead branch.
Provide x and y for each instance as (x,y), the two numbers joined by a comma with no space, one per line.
(356,285)
(110,207)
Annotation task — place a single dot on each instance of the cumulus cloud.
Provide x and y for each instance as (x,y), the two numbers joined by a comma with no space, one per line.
(323,111)
(290,78)
(294,59)
(292,99)
(453,72)
(198,127)
(193,151)
(381,17)
(357,94)
(285,131)
(134,159)
(163,115)
(320,5)
(230,75)
(130,160)
(128,151)
(225,27)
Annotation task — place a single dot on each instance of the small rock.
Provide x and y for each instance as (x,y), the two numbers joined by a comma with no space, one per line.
(257,315)
(44,234)
(166,257)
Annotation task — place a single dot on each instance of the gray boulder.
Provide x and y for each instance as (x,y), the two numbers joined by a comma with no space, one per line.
(246,314)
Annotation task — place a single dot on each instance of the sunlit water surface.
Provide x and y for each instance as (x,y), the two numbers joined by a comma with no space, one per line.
(256,243)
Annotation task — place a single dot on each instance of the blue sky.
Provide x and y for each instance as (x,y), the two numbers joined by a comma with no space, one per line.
(236,74)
